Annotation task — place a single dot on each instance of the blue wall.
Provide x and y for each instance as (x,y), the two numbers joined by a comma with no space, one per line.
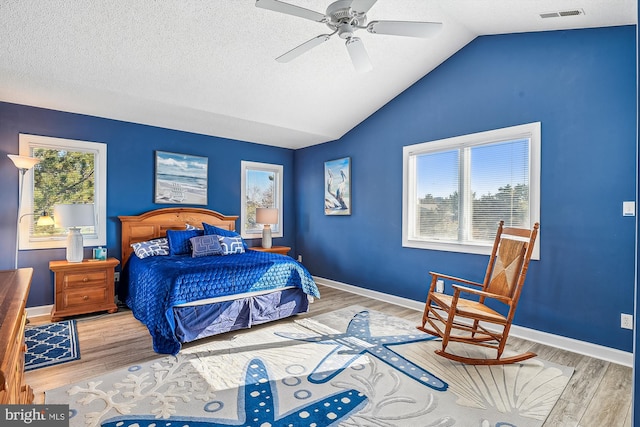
(636,354)
(130,177)
(581,85)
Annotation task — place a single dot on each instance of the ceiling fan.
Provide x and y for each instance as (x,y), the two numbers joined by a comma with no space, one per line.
(345,17)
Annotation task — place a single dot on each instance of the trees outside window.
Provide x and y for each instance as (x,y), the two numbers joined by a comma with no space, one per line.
(69,171)
(261,188)
(456,190)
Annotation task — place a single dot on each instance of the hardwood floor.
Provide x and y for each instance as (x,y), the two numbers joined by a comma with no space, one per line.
(599,393)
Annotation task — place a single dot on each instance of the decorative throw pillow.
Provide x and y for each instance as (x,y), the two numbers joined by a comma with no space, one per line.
(212,229)
(205,246)
(151,248)
(231,245)
(179,243)
(191,227)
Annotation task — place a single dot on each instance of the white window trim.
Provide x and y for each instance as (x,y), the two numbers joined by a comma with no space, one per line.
(529,130)
(27,143)
(267,167)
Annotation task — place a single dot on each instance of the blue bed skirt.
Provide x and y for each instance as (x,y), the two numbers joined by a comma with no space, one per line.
(158,284)
(200,321)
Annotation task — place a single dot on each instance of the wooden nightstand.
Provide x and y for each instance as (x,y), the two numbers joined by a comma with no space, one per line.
(83,287)
(282,250)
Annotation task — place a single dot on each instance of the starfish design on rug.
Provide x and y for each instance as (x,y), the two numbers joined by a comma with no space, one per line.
(257,406)
(356,341)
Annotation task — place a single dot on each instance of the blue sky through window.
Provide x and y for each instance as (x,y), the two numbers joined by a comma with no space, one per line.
(263,180)
(492,166)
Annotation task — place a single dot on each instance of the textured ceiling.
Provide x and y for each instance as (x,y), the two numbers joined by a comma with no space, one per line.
(207,66)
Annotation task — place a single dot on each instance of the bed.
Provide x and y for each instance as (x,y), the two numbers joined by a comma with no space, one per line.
(183,287)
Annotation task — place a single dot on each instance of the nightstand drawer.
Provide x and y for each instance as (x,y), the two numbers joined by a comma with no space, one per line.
(95,296)
(84,279)
(83,287)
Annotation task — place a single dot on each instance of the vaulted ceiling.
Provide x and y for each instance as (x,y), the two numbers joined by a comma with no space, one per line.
(208,66)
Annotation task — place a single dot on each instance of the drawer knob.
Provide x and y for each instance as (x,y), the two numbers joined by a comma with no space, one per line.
(86,297)
(85,279)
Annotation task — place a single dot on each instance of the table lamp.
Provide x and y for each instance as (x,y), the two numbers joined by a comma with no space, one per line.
(74,216)
(266,216)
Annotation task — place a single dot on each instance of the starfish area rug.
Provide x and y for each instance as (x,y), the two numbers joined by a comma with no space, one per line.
(350,367)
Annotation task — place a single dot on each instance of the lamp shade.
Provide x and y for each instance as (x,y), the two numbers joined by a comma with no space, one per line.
(44,220)
(23,162)
(74,215)
(266,216)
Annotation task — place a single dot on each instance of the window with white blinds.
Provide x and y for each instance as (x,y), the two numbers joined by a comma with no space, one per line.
(456,190)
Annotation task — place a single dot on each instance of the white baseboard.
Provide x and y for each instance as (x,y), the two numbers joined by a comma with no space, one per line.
(42,310)
(581,347)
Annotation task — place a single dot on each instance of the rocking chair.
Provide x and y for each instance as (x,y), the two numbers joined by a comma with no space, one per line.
(457,319)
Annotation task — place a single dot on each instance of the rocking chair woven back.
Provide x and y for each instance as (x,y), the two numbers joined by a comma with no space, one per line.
(506,267)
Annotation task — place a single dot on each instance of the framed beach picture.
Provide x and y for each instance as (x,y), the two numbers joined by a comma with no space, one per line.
(337,187)
(181,179)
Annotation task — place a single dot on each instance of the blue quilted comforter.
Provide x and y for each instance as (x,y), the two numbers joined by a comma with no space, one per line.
(157,284)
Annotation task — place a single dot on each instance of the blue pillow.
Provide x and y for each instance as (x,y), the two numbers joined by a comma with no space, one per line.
(179,243)
(212,229)
(231,245)
(205,246)
(151,248)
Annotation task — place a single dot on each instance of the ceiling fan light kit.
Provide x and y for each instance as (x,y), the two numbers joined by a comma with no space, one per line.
(345,17)
(358,54)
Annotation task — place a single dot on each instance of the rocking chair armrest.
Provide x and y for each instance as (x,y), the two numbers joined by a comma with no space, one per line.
(455,279)
(457,289)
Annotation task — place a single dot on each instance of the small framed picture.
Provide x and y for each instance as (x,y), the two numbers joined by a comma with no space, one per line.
(181,179)
(337,187)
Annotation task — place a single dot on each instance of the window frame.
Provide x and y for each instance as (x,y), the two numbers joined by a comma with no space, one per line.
(27,143)
(278,170)
(531,131)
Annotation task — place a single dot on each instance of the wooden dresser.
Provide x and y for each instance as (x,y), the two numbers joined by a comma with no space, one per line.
(83,287)
(14,289)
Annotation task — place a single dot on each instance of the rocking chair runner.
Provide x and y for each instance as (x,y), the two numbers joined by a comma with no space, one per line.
(453,318)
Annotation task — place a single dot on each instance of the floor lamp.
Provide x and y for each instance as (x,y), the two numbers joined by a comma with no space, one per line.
(23,163)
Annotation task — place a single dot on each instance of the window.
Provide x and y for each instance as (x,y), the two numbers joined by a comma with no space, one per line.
(456,190)
(69,172)
(261,188)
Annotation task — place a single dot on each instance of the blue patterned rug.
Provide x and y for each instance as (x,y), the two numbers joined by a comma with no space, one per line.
(51,344)
(351,367)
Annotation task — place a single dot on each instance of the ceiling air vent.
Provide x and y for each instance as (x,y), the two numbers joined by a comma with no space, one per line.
(574,12)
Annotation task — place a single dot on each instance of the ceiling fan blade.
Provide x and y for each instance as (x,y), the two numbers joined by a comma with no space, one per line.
(290,9)
(405,28)
(362,6)
(304,47)
(358,55)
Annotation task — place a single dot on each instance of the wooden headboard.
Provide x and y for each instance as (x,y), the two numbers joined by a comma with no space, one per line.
(154,224)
